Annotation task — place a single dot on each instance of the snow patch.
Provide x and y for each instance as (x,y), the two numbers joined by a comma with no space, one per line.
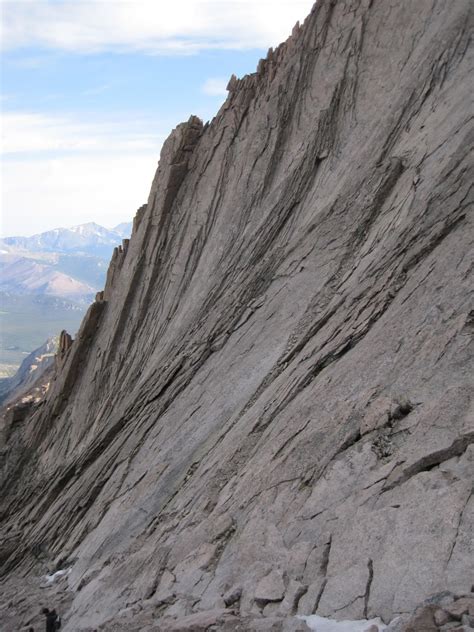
(320,624)
(54,576)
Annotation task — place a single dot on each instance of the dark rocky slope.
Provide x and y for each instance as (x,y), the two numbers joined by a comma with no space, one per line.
(273,396)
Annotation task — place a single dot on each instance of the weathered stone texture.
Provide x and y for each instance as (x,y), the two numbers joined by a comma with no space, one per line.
(274,393)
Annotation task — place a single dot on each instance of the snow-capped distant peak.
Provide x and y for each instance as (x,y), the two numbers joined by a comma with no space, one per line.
(88,238)
(124,229)
(88,228)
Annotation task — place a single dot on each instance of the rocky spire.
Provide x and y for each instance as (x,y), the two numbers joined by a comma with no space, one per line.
(64,344)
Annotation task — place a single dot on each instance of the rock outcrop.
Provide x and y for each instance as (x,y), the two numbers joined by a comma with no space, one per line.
(269,410)
(65,343)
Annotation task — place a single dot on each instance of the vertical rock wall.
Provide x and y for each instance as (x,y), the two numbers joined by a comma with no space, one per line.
(271,404)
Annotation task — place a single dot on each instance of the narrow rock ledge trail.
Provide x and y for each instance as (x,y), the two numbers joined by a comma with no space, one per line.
(269,409)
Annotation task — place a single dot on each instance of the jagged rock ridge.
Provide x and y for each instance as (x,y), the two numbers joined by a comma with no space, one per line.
(270,405)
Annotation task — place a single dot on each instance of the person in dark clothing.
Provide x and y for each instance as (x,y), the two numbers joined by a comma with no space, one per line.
(52,620)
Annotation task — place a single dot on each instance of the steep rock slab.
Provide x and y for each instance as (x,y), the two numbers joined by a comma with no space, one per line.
(275,388)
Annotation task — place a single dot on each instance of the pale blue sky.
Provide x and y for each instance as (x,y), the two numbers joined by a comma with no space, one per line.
(91,88)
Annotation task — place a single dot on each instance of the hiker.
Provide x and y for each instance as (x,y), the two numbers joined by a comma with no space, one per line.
(53,622)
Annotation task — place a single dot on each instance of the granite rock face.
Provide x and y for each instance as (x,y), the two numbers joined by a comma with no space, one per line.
(269,410)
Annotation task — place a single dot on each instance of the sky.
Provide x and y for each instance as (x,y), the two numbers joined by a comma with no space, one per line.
(90,89)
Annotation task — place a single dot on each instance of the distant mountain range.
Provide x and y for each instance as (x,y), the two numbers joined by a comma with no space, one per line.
(91,239)
(33,366)
(69,263)
(22,275)
(46,283)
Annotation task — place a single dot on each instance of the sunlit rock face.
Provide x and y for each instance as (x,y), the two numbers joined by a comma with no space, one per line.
(269,409)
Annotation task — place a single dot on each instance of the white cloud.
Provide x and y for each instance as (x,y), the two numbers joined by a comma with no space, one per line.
(31,132)
(64,170)
(156,26)
(215,86)
(43,194)
(59,171)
